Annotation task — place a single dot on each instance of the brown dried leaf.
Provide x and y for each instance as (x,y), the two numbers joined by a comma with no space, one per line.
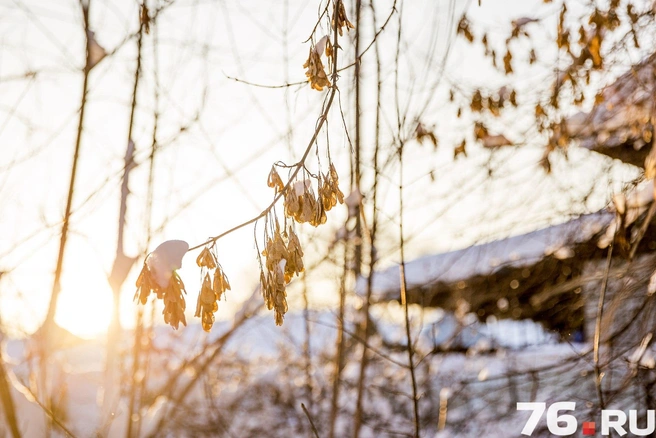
(315,71)
(144,18)
(595,51)
(274,180)
(342,20)
(460,150)
(507,62)
(477,102)
(463,28)
(206,259)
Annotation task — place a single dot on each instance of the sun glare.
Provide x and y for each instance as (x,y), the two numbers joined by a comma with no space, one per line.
(85,304)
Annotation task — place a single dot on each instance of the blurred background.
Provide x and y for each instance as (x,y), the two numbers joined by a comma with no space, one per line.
(475,146)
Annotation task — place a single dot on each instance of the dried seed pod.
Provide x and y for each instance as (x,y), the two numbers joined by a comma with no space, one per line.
(460,149)
(206,304)
(334,182)
(300,202)
(145,284)
(291,202)
(329,192)
(319,217)
(277,279)
(220,283)
(463,28)
(422,133)
(341,20)
(315,71)
(171,295)
(267,292)
(174,302)
(275,251)
(206,259)
(274,180)
(294,263)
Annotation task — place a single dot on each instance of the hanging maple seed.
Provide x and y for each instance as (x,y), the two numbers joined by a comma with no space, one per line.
(171,295)
(267,291)
(320,217)
(315,72)
(220,283)
(294,263)
(476,102)
(174,302)
(329,192)
(275,251)
(460,150)
(206,304)
(273,291)
(300,202)
(507,62)
(594,47)
(422,133)
(480,131)
(291,203)
(212,289)
(334,183)
(277,280)
(283,261)
(329,50)
(145,284)
(274,181)
(463,28)
(206,259)
(342,20)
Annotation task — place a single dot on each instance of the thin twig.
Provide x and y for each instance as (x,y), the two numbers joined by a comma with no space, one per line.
(178,399)
(307,414)
(299,165)
(139,327)
(364,361)
(50,414)
(358,59)
(643,229)
(56,286)
(339,350)
(597,336)
(404,300)
(6,401)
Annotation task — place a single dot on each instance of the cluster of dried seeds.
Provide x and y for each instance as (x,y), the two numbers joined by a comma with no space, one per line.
(329,191)
(171,295)
(283,251)
(341,20)
(212,289)
(315,72)
(302,204)
(284,259)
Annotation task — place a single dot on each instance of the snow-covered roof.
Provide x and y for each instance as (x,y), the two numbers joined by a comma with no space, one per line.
(621,117)
(485,259)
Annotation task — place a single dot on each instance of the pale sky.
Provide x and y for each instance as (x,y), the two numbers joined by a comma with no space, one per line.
(242,130)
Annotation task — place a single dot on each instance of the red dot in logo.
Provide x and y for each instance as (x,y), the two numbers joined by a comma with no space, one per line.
(588,428)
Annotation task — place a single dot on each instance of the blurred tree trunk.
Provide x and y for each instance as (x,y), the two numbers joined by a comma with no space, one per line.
(6,401)
(56,286)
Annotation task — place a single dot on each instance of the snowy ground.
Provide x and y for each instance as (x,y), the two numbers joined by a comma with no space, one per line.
(257,383)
